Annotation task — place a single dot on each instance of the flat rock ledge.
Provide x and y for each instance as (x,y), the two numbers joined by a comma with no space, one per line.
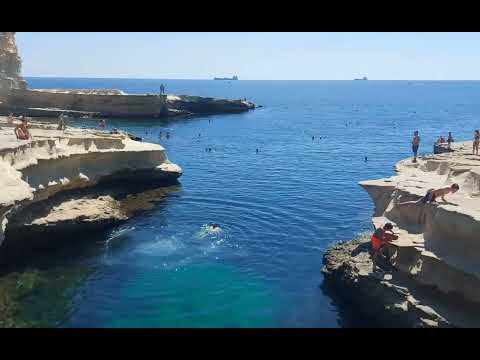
(43,179)
(390,298)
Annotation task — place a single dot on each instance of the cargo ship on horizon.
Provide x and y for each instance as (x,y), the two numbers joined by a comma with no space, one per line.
(235,77)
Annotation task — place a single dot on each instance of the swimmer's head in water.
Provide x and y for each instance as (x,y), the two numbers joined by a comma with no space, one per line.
(455,187)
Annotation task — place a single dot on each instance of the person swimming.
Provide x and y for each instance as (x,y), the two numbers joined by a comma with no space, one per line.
(210,229)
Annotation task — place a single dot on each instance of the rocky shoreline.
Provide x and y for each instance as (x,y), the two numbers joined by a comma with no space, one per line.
(63,183)
(433,279)
(17,98)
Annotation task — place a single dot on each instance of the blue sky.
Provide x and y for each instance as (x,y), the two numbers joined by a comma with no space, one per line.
(270,56)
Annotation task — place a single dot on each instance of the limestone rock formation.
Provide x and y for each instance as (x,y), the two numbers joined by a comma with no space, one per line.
(10,64)
(439,243)
(57,161)
(190,105)
(384,299)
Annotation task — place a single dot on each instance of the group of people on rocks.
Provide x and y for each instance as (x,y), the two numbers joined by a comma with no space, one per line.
(22,133)
(382,236)
(441,140)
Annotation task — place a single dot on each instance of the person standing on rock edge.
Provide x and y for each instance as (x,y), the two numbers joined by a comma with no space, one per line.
(379,240)
(476,142)
(162,89)
(415,145)
(450,140)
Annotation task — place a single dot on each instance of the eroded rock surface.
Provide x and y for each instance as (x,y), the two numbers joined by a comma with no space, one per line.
(439,243)
(57,161)
(10,64)
(390,298)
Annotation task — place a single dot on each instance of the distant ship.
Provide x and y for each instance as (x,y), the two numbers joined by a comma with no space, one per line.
(363,78)
(232,78)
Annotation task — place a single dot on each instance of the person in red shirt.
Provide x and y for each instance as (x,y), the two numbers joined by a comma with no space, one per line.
(379,239)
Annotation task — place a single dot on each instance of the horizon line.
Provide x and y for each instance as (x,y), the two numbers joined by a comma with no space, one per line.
(204,79)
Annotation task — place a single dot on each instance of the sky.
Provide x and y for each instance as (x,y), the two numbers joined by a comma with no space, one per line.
(252,56)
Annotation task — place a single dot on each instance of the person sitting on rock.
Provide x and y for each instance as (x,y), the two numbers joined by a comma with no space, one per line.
(379,240)
(433,194)
(21,130)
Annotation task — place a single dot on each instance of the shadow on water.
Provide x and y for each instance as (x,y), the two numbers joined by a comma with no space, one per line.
(349,315)
(38,290)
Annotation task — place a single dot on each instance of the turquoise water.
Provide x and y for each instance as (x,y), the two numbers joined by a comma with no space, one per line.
(279,209)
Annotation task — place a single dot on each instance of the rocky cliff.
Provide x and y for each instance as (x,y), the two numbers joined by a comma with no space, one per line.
(10,64)
(59,162)
(439,243)
(16,98)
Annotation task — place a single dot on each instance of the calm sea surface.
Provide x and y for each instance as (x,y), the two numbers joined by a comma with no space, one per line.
(280,209)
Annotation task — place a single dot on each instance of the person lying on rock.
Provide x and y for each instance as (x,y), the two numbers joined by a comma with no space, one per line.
(432,195)
(21,130)
(379,240)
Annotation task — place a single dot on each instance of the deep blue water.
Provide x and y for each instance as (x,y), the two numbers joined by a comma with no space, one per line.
(280,208)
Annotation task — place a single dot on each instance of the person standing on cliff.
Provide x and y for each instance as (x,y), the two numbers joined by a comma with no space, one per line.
(415,145)
(476,142)
(450,140)
(162,89)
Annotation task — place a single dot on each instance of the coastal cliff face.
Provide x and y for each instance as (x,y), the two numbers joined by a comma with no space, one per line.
(58,162)
(16,98)
(439,243)
(111,103)
(10,64)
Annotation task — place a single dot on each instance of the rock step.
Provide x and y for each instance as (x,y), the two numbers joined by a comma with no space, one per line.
(393,298)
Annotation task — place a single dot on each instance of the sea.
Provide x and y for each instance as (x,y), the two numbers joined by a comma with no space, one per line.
(281,181)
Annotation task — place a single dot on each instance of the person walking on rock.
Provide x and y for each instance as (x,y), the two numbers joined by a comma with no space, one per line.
(415,145)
